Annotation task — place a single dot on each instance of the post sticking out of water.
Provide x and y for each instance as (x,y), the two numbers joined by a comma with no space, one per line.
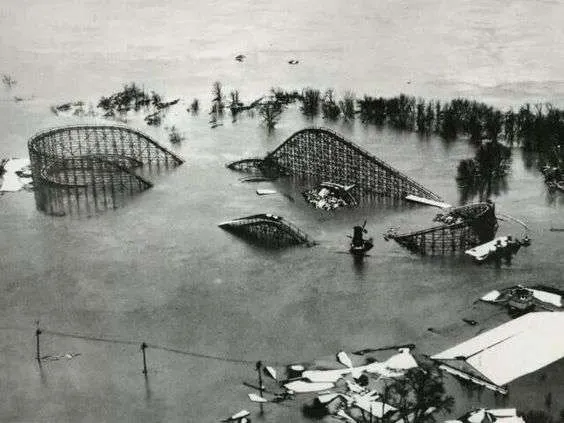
(143,348)
(259,371)
(37,351)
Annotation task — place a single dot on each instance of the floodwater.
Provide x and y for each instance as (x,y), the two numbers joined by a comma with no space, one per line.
(160,271)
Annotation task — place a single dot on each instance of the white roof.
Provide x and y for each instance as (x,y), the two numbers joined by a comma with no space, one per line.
(513,349)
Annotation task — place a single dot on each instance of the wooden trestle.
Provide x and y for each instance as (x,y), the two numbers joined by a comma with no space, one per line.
(326,155)
(82,168)
(472,225)
(268,229)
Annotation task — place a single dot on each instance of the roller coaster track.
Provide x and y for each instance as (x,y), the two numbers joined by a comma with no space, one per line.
(94,164)
(322,153)
(268,228)
(470,225)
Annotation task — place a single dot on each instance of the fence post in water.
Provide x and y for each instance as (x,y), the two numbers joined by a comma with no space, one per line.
(143,348)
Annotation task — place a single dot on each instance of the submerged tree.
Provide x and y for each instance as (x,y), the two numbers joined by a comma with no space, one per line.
(329,108)
(8,81)
(270,112)
(310,102)
(195,106)
(174,136)
(418,394)
(217,98)
(485,174)
(347,105)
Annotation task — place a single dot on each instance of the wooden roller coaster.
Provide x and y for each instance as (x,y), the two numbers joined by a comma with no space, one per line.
(460,228)
(268,229)
(323,154)
(84,167)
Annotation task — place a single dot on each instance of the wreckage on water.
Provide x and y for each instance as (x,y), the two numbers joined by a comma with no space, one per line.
(458,229)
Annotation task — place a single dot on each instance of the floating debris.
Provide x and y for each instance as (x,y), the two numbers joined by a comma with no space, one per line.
(329,196)
(257,179)
(501,247)
(301,387)
(428,202)
(240,417)
(393,367)
(257,398)
(482,415)
(240,57)
(266,191)
(67,356)
(344,359)
(270,371)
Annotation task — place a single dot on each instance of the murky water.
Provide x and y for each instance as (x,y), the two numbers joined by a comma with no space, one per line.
(160,270)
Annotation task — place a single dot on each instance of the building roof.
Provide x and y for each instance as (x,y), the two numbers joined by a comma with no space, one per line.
(513,349)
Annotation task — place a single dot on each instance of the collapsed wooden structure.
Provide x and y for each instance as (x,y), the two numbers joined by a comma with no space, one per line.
(85,168)
(459,229)
(268,229)
(322,154)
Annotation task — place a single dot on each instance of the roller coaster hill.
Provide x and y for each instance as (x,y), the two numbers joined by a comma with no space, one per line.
(88,168)
(321,154)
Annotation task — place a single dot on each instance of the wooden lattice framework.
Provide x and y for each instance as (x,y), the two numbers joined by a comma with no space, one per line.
(85,168)
(320,152)
(473,224)
(268,229)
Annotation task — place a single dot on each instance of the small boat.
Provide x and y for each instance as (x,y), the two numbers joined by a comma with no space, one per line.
(359,245)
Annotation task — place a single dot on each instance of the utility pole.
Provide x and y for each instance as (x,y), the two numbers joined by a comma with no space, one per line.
(143,348)
(261,387)
(37,350)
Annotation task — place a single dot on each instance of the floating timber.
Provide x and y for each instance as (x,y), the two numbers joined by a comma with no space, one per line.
(79,168)
(268,229)
(439,204)
(461,229)
(322,153)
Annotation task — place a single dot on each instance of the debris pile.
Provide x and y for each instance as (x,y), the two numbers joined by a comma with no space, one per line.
(503,247)
(483,415)
(346,392)
(329,196)
(521,298)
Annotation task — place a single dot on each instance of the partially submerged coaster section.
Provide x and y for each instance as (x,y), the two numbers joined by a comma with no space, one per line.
(323,154)
(268,229)
(87,168)
(459,229)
